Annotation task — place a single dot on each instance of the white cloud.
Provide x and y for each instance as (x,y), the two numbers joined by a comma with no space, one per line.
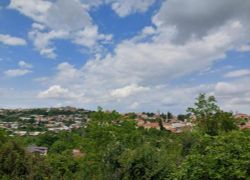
(122,8)
(128,91)
(234,95)
(238,73)
(66,73)
(24,68)
(16,72)
(195,18)
(89,36)
(125,8)
(134,105)
(24,65)
(244,48)
(68,16)
(57,20)
(58,92)
(12,41)
(43,40)
(55,91)
(224,89)
(35,9)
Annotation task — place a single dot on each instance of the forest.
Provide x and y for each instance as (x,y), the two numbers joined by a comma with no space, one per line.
(112,147)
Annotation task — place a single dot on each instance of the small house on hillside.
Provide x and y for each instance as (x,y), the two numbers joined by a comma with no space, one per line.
(39,150)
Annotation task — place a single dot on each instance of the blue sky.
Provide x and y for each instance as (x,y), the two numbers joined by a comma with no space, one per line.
(133,55)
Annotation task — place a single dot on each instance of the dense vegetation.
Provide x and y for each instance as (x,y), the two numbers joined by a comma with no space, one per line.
(114,148)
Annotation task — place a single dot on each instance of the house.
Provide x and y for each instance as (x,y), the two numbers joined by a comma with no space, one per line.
(21,133)
(140,122)
(245,126)
(154,125)
(177,127)
(25,118)
(242,116)
(39,150)
(35,133)
(77,153)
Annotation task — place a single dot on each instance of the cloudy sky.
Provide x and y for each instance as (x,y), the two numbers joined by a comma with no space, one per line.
(129,55)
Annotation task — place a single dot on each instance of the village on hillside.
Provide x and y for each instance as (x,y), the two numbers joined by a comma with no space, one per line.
(33,122)
(179,124)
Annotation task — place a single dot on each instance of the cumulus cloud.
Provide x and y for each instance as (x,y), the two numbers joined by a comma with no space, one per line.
(24,68)
(61,19)
(55,91)
(35,9)
(16,72)
(234,95)
(128,91)
(58,92)
(238,73)
(244,48)
(89,36)
(12,41)
(43,40)
(24,65)
(122,8)
(125,8)
(195,18)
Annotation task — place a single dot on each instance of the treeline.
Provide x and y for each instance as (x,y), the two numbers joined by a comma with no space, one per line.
(112,147)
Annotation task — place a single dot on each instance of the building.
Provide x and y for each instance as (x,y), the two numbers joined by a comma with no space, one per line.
(140,122)
(35,133)
(177,127)
(21,133)
(39,150)
(242,116)
(154,125)
(77,153)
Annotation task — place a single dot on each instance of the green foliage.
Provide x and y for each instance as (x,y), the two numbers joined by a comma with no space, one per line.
(183,117)
(204,107)
(63,166)
(209,118)
(221,157)
(112,147)
(16,163)
(169,115)
(3,137)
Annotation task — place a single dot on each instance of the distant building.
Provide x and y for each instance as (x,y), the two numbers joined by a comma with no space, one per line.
(36,149)
(21,133)
(140,122)
(242,116)
(245,126)
(77,153)
(35,133)
(177,127)
(154,125)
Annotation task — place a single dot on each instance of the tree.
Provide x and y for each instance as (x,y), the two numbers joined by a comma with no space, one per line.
(169,115)
(223,157)
(182,117)
(210,119)
(204,108)
(16,163)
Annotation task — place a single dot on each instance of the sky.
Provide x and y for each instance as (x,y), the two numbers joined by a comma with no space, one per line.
(128,55)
